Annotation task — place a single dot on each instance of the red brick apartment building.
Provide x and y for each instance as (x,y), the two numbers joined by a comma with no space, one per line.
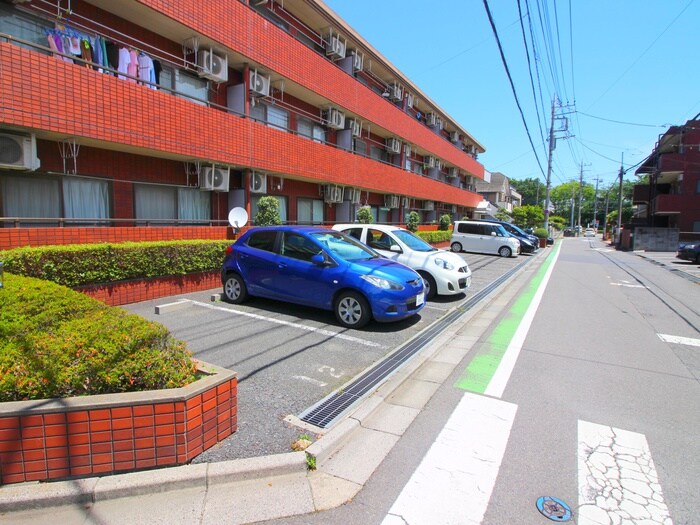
(152,119)
(671,198)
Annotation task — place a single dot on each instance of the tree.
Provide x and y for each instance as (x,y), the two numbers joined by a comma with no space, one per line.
(503,215)
(413,221)
(364,215)
(532,190)
(268,212)
(528,216)
(445,221)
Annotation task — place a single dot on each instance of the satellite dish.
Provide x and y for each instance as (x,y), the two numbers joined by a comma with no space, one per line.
(238,217)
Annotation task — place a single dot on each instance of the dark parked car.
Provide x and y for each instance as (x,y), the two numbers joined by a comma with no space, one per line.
(528,243)
(689,252)
(321,268)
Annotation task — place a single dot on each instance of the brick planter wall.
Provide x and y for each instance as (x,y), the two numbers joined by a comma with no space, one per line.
(104,434)
(118,293)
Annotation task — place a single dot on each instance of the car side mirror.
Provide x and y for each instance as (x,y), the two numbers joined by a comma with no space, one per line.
(395,248)
(493,234)
(318,259)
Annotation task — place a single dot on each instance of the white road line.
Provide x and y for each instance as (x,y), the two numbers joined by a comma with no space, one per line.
(321,331)
(500,378)
(454,481)
(689,341)
(311,380)
(617,479)
(628,285)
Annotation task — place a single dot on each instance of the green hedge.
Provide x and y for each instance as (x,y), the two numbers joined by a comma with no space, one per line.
(56,343)
(436,236)
(81,264)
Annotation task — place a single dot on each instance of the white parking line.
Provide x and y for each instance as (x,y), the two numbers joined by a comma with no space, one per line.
(321,331)
(688,341)
(454,481)
(617,479)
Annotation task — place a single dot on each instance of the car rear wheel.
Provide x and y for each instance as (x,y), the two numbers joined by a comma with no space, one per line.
(456,247)
(352,310)
(235,290)
(505,251)
(429,284)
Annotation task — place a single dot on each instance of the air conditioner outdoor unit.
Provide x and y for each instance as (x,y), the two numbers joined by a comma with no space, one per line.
(429,205)
(334,118)
(438,164)
(258,182)
(454,136)
(356,126)
(405,202)
(391,201)
(212,66)
(430,161)
(335,46)
(409,100)
(396,91)
(438,122)
(453,172)
(214,179)
(18,152)
(332,193)
(358,60)
(355,195)
(431,119)
(259,83)
(393,145)
(454,208)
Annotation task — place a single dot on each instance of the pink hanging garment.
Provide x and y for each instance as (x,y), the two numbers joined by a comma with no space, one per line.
(133,69)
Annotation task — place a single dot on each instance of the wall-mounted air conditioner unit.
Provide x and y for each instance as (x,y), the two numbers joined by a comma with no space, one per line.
(454,208)
(429,161)
(438,122)
(454,136)
(332,193)
(212,66)
(214,178)
(407,150)
(391,201)
(334,118)
(354,195)
(258,182)
(358,60)
(335,45)
(409,100)
(431,119)
(259,83)
(393,145)
(355,125)
(470,148)
(453,172)
(429,205)
(405,202)
(18,152)
(438,164)
(395,92)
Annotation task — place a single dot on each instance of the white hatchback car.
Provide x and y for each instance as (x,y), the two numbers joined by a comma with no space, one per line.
(444,272)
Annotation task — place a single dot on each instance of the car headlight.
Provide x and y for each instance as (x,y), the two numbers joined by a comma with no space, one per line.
(689,247)
(444,264)
(384,284)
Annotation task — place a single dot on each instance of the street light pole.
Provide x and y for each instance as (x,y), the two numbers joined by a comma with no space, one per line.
(552,146)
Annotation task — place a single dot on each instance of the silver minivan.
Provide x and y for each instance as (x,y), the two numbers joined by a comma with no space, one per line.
(483,237)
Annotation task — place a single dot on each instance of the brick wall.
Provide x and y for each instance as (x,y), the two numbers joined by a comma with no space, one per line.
(97,435)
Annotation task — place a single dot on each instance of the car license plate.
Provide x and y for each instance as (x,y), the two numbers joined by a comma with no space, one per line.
(420,299)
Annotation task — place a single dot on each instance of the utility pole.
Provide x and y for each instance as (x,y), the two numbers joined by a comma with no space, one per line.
(573,200)
(605,217)
(595,205)
(552,146)
(580,200)
(619,201)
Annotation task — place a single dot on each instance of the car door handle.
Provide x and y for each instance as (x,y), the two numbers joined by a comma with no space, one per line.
(282,265)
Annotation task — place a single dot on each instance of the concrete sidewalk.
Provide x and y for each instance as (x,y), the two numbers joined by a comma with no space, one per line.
(269,487)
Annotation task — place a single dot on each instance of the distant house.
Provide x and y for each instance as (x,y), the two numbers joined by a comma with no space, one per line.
(499,193)
(671,198)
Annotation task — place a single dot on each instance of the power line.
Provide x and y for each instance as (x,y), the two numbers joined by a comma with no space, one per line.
(622,122)
(529,69)
(510,79)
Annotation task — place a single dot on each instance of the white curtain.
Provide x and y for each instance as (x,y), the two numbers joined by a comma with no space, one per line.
(277,118)
(193,204)
(155,202)
(27,196)
(85,198)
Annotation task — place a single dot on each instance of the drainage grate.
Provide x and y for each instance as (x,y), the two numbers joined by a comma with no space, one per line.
(326,411)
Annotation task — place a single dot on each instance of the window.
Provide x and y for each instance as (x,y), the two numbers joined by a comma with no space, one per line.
(170,203)
(312,130)
(264,240)
(282,206)
(185,85)
(360,147)
(298,247)
(377,153)
(379,240)
(23,26)
(271,115)
(309,211)
(85,198)
(356,233)
(696,226)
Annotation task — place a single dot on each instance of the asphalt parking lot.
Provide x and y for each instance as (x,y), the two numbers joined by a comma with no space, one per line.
(289,357)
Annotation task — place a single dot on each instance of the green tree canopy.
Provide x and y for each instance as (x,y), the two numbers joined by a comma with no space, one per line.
(528,216)
(532,190)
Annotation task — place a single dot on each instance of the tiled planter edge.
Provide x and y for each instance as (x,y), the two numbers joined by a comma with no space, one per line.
(83,436)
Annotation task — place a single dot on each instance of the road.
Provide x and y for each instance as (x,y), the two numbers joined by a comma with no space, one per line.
(601,410)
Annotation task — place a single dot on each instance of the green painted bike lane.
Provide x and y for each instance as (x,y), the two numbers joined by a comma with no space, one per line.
(483,366)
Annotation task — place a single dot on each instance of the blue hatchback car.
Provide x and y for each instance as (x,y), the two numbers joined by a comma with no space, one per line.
(322,268)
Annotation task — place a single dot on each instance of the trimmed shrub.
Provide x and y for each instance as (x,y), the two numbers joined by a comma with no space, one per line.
(55,343)
(82,264)
(541,233)
(413,221)
(445,221)
(435,236)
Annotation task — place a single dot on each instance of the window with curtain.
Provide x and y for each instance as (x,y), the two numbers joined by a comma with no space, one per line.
(193,204)
(377,153)
(187,86)
(309,211)
(30,196)
(85,199)
(277,118)
(312,130)
(360,147)
(155,203)
(282,207)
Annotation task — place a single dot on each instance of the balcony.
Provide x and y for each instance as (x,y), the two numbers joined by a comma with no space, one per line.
(640,195)
(668,204)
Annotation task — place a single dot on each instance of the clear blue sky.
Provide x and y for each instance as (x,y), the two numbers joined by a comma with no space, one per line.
(636,62)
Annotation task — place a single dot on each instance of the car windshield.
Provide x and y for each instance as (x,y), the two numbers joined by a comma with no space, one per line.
(413,241)
(518,230)
(344,247)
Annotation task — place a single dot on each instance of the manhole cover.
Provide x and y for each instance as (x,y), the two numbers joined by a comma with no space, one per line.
(553,508)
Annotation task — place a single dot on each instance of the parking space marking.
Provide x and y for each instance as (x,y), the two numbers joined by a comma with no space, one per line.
(311,380)
(320,331)
(617,478)
(688,341)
